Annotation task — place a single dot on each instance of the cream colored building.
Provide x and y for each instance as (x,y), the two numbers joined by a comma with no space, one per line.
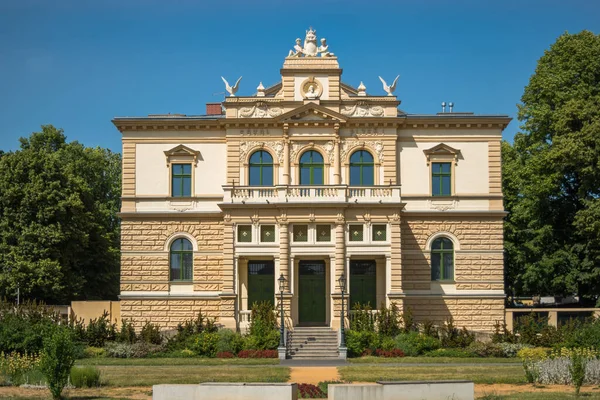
(307,179)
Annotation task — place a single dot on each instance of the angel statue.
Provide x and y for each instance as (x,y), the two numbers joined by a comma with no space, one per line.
(231,89)
(389,89)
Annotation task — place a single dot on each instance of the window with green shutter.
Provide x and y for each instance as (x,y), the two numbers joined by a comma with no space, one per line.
(356,233)
(379,232)
(181,180)
(441,179)
(442,259)
(181,260)
(244,233)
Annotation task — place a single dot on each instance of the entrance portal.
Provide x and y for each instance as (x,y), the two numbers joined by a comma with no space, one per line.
(311,299)
(261,282)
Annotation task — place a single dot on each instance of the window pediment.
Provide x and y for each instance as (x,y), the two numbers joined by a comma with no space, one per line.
(442,152)
(182,153)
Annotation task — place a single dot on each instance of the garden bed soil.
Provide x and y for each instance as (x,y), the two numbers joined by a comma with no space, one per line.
(313,375)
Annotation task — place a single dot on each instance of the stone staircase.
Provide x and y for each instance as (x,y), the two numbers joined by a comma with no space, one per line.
(313,343)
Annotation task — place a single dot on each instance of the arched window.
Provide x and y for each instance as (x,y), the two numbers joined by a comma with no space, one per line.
(261,169)
(181,260)
(362,168)
(442,259)
(311,168)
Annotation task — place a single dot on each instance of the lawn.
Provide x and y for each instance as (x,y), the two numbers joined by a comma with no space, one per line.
(177,361)
(433,360)
(479,374)
(148,375)
(540,396)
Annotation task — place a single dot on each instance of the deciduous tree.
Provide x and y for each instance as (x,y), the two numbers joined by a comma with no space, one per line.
(59,232)
(551,175)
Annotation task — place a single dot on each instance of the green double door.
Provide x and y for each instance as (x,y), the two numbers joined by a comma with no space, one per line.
(261,282)
(363,283)
(312,292)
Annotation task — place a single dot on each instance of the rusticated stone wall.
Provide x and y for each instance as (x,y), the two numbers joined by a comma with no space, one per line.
(475,314)
(168,313)
(478,259)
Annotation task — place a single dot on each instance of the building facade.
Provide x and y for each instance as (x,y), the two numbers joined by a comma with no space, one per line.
(309,179)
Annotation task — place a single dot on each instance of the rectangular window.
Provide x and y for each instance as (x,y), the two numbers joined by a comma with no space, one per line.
(440,179)
(181,180)
(356,233)
(244,233)
(323,233)
(300,233)
(267,233)
(379,233)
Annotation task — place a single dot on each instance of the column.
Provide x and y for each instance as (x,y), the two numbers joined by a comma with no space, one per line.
(228,297)
(396,256)
(284,254)
(337,172)
(388,279)
(286,157)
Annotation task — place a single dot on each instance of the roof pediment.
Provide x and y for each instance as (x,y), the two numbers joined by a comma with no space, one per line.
(311,112)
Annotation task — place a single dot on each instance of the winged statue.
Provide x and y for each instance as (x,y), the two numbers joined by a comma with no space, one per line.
(231,89)
(389,89)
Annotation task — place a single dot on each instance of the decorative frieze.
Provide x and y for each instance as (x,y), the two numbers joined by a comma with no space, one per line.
(325,146)
(350,145)
(260,110)
(276,147)
(362,109)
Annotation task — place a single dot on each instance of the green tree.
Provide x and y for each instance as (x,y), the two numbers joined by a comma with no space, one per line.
(551,175)
(59,231)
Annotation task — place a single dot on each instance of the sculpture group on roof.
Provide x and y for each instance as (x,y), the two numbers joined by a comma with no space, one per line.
(310,48)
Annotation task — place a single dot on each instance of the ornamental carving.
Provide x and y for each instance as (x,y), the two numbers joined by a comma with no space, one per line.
(349,146)
(276,147)
(325,147)
(362,109)
(260,110)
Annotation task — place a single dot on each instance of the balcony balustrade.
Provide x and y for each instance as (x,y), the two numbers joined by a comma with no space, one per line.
(311,194)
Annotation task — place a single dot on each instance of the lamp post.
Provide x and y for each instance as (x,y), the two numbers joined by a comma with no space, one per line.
(281,348)
(342,286)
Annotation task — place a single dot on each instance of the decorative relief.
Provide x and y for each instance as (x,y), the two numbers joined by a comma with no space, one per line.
(245,147)
(326,147)
(260,110)
(367,132)
(182,206)
(349,146)
(362,109)
(442,205)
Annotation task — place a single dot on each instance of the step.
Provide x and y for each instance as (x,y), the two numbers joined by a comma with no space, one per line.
(315,355)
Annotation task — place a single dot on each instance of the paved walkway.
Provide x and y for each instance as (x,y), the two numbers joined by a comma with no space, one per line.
(313,375)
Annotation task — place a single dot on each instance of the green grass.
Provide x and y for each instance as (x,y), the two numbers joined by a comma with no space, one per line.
(177,361)
(148,375)
(433,360)
(478,374)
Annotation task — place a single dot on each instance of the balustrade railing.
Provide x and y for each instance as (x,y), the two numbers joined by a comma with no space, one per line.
(320,193)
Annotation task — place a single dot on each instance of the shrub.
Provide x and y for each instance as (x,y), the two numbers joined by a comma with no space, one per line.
(449,353)
(429,329)
(450,336)
(359,341)
(85,377)
(225,354)
(502,334)
(127,332)
(100,331)
(151,333)
(206,344)
(187,331)
(485,349)
(258,354)
(361,319)
(23,327)
(388,320)
(408,320)
(533,353)
(119,350)
(16,366)
(388,343)
(389,353)
(510,350)
(57,358)
(586,335)
(324,386)
(529,327)
(577,370)
(309,391)
(229,341)
(94,352)
(414,343)
(263,333)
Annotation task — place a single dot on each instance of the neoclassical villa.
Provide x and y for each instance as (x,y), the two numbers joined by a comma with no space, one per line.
(309,179)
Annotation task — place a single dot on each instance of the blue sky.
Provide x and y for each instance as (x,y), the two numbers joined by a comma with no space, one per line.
(78,63)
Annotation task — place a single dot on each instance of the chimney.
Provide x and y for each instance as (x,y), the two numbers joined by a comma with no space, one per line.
(213,109)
